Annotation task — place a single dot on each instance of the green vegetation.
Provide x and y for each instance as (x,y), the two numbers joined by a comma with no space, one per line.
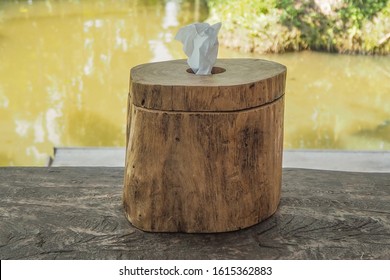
(345,26)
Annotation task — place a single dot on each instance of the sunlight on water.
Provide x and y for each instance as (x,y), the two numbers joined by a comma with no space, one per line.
(64,72)
(337,101)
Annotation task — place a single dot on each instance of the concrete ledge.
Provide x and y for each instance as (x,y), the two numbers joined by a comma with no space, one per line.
(77,213)
(88,156)
(357,161)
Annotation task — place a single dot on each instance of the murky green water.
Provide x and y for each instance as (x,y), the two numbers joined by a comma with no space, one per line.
(64,71)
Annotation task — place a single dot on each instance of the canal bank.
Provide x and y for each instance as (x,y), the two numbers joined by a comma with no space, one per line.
(75,94)
(353,27)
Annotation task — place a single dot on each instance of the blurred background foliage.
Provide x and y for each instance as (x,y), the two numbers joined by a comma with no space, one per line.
(344,26)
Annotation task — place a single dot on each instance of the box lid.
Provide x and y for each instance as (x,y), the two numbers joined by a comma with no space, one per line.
(237,84)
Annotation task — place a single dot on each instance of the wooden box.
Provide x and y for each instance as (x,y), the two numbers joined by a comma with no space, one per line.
(204,153)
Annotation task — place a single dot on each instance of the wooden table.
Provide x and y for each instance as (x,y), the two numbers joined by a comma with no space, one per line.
(77,213)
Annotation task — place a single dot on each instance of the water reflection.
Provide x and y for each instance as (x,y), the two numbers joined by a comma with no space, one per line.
(336,101)
(65,67)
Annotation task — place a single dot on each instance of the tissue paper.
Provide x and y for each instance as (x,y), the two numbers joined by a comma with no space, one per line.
(200,44)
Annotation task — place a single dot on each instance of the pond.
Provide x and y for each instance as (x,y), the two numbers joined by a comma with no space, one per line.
(64,73)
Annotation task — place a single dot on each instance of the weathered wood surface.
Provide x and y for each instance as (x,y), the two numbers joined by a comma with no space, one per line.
(204,153)
(167,86)
(179,180)
(77,213)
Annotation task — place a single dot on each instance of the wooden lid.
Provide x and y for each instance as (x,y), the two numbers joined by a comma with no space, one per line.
(238,84)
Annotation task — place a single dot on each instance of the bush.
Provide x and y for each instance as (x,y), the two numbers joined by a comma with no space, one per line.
(352,26)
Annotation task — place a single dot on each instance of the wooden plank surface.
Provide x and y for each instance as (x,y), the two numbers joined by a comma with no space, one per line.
(76,213)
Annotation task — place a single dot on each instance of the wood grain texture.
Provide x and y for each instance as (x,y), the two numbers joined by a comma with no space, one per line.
(246,83)
(203,172)
(204,153)
(77,213)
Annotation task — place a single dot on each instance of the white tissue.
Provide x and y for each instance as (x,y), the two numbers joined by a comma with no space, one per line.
(200,44)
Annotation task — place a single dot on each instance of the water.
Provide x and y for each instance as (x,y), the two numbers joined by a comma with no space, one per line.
(64,71)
